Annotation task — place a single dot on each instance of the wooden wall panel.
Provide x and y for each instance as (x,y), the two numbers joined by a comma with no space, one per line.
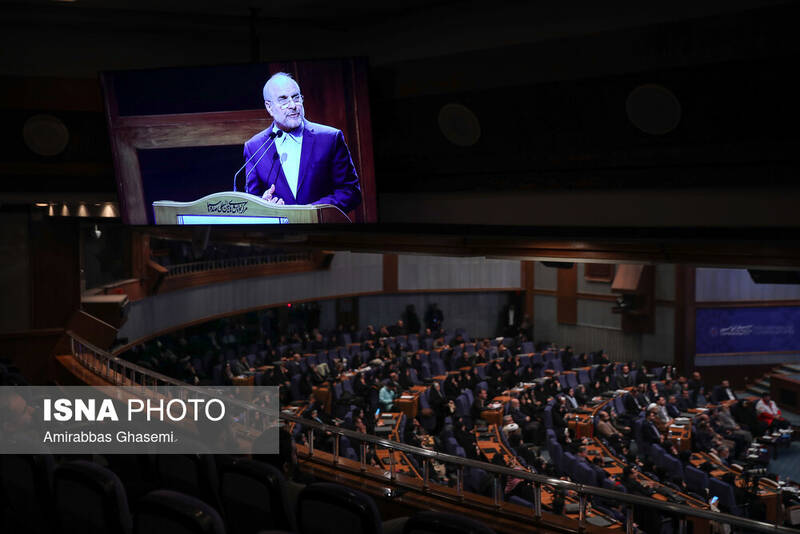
(567,295)
(55,272)
(390,273)
(33,351)
(528,285)
(684,317)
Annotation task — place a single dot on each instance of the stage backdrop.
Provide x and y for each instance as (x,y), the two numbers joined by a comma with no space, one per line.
(178,134)
(729,331)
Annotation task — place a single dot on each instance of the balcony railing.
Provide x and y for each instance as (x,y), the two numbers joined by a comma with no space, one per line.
(234,263)
(121,372)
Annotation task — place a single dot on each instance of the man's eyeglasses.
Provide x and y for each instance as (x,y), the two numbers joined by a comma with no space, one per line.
(285,101)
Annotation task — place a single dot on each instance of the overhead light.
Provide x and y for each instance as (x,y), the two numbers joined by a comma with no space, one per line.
(109,210)
(41,204)
(82,211)
(64,210)
(51,211)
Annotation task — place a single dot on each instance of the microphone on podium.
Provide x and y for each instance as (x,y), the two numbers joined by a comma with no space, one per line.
(271,138)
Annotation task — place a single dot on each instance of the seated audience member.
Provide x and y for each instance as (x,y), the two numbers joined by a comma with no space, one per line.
(241,366)
(723,393)
(699,397)
(650,432)
(696,382)
(673,409)
(572,402)
(724,453)
(671,387)
(607,384)
(724,424)
(607,431)
(769,413)
(635,402)
(744,412)
(481,400)
(641,376)
(668,373)
(529,427)
(386,397)
(662,414)
(653,393)
(405,379)
(559,414)
(625,379)
(704,437)
(452,387)
(685,402)
(671,448)
(581,395)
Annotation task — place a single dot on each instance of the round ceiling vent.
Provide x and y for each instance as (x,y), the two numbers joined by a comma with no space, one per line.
(653,109)
(45,135)
(459,125)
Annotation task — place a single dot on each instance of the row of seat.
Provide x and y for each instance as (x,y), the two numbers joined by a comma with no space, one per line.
(87,498)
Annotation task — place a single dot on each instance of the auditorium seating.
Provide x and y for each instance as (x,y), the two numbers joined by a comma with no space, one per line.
(443,523)
(724,491)
(254,497)
(437,362)
(584,474)
(673,467)
(696,480)
(26,490)
(193,474)
(322,505)
(171,512)
(90,499)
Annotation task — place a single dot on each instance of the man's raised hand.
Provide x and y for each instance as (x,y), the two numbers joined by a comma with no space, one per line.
(272,199)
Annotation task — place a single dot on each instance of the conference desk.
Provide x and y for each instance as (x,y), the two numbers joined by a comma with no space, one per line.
(408,401)
(680,435)
(768,495)
(389,423)
(491,445)
(615,468)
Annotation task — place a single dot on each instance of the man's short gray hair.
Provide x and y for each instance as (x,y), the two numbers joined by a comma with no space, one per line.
(276,75)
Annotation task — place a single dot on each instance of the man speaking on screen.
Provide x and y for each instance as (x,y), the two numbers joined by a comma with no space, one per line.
(296,161)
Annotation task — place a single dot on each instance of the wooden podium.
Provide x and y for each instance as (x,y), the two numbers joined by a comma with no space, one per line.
(233,207)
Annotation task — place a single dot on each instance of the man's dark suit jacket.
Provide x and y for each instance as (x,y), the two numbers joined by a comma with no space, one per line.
(649,433)
(326,175)
(719,394)
(624,381)
(673,410)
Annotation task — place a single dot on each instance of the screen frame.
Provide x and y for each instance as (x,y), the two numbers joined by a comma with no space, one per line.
(131,133)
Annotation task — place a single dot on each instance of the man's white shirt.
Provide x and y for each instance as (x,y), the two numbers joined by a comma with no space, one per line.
(289,147)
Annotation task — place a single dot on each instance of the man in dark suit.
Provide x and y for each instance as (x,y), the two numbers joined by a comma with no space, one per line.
(673,410)
(304,162)
(723,392)
(625,379)
(479,404)
(650,432)
(529,427)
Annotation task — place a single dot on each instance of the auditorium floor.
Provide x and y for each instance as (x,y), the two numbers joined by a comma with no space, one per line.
(788,462)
